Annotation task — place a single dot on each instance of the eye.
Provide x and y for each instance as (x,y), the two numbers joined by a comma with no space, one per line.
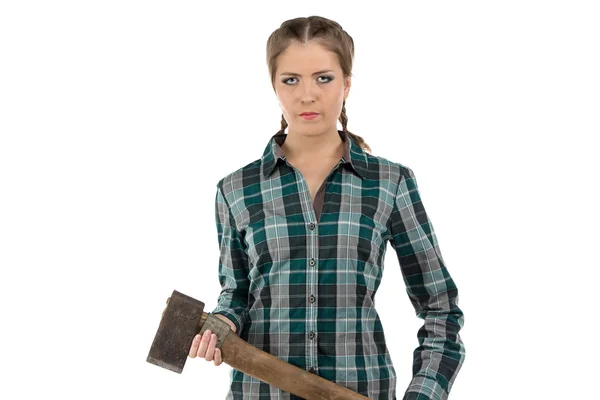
(329,79)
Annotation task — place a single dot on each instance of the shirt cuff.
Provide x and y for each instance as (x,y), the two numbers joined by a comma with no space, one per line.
(424,388)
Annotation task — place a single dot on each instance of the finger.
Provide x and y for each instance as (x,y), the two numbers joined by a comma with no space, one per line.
(203,343)
(195,344)
(210,352)
(218,357)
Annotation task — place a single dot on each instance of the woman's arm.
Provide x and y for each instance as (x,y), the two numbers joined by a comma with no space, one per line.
(432,293)
(233,265)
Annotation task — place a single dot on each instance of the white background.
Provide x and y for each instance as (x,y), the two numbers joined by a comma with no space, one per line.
(118,118)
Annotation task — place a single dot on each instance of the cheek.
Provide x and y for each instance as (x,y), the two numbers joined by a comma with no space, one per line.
(335,105)
(284,100)
(335,97)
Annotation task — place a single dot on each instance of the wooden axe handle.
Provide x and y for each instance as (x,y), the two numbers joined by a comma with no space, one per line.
(261,365)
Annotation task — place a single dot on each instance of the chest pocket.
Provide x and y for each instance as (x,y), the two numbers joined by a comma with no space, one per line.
(273,240)
(353,231)
(358,251)
(268,238)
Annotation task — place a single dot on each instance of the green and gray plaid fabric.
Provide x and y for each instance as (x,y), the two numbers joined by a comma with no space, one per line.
(302,287)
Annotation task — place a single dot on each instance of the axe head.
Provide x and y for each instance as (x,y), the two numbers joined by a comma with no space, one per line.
(178,326)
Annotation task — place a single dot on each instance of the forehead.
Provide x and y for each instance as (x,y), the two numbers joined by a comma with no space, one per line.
(307,59)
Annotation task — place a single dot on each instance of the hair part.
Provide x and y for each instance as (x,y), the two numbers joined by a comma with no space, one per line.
(328,34)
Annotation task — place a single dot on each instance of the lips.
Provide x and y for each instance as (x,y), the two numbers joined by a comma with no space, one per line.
(309,113)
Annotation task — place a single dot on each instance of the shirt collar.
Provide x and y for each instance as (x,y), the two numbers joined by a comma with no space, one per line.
(353,154)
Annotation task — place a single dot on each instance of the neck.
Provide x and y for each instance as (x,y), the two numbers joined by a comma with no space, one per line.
(325,146)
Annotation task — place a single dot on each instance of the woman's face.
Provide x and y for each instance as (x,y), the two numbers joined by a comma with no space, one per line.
(308,78)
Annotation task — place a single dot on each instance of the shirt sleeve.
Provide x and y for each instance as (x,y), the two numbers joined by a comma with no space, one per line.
(432,293)
(233,266)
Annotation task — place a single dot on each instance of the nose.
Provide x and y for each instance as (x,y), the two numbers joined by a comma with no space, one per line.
(308,92)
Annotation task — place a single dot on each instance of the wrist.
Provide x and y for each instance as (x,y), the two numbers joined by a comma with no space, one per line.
(229,322)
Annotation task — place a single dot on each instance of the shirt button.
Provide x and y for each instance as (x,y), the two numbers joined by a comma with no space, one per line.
(311,335)
(312,262)
(312,298)
(311,226)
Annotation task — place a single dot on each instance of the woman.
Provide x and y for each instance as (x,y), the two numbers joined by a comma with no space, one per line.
(303,232)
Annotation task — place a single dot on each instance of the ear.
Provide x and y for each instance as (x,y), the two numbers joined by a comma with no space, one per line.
(347,84)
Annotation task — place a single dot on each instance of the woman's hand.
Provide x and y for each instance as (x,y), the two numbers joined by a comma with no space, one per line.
(205,346)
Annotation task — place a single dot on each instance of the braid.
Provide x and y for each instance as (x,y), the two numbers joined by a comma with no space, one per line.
(283,124)
(359,140)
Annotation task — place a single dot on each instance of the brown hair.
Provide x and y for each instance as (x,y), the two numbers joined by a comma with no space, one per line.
(327,33)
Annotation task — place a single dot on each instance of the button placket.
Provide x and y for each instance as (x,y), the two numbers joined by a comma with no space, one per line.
(312,249)
(312,324)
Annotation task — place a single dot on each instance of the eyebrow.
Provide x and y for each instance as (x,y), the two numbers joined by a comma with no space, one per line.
(295,74)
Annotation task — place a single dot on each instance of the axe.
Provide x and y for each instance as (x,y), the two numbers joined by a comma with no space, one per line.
(184,317)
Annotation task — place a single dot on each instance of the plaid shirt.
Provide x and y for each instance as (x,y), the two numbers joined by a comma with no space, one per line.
(299,277)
